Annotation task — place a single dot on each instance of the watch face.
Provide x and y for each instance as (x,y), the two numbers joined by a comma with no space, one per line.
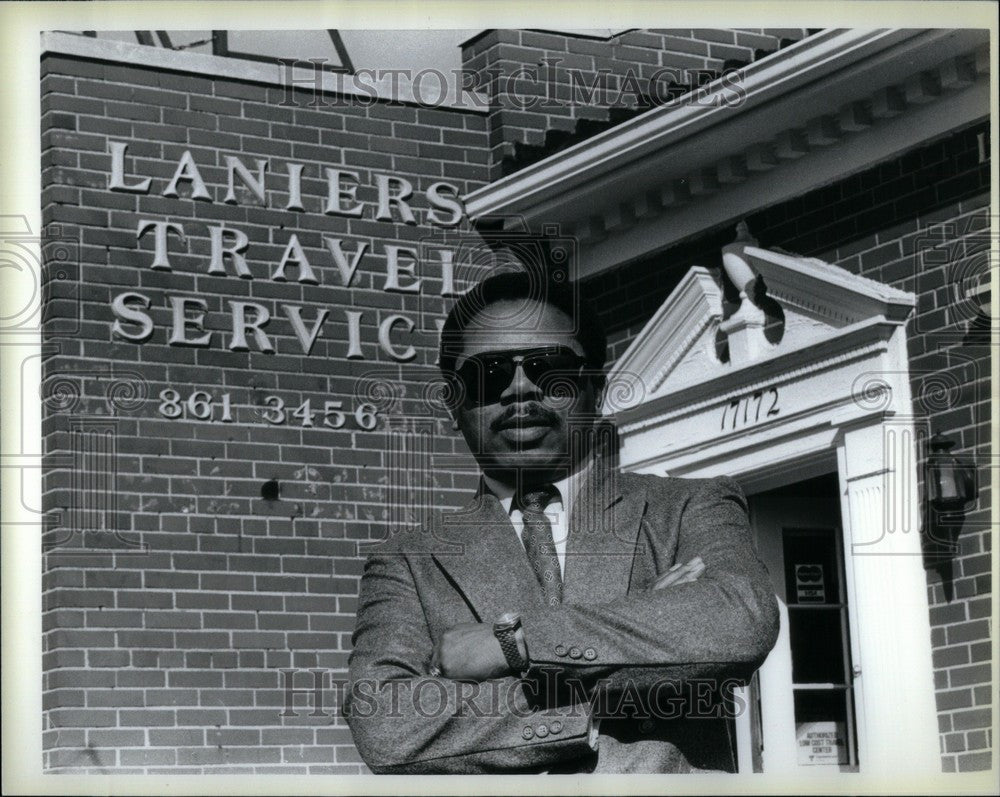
(506,620)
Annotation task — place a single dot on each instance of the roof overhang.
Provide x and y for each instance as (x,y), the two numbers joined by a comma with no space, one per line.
(833,104)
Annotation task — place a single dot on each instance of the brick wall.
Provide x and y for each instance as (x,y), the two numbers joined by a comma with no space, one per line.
(174,595)
(920,223)
(549,90)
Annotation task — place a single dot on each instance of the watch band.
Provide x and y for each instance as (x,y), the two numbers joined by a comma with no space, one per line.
(508,644)
(505,630)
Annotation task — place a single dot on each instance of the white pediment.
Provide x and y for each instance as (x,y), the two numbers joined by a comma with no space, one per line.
(812,288)
(679,347)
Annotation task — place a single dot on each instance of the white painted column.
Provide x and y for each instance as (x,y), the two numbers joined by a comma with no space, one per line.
(897,717)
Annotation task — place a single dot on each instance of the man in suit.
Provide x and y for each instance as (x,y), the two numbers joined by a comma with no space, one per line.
(570,618)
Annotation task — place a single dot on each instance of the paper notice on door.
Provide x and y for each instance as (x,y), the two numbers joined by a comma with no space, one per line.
(821,743)
(810,585)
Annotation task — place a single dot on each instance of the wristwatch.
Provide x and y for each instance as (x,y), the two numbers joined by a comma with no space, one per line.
(505,630)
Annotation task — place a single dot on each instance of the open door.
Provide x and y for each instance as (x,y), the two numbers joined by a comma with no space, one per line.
(802,708)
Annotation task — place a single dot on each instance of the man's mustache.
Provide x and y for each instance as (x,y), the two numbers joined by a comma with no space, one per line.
(525,414)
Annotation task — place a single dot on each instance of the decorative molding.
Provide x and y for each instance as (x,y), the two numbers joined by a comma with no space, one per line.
(857,317)
(685,168)
(675,405)
(639,137)
(692,306)
(826,289)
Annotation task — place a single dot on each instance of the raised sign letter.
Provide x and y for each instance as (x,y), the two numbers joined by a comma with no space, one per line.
(241,324)
(443,203)
(219,251)
(188,170)
(335,245)
(383,337)
(294,255)
(393,269)
(335,191)
(116,180)
(120,308)
(161,229)
(307,338)
(178,335)
(234,166)
(386,198)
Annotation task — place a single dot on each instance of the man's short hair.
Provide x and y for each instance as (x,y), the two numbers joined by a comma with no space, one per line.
(520,286)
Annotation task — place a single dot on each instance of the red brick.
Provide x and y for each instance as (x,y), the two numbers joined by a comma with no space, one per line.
(974,762)
(172,697)
(201,717)
(966,720)
(968,632)
(226,737)
(959,698)
(980,651)
(143,600)
(964,676)
(246,639)
(82,718)
(82,758)
(147,757)
(115,697)
(146,718)
(116,738)
(176,737)
(107,658)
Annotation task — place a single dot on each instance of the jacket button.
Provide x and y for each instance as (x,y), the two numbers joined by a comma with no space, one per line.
(560,650)
(555,727)
(528,732)
(574,653)
(646,726)
(541,731)
(590,654)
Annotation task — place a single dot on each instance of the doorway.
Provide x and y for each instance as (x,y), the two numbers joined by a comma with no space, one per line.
(802,711)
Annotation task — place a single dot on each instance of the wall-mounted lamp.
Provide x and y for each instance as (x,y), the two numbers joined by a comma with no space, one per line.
(951,483)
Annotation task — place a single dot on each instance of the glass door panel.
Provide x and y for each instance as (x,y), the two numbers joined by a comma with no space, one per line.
(802,712)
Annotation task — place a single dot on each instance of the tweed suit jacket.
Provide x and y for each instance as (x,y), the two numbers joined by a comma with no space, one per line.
(650,664)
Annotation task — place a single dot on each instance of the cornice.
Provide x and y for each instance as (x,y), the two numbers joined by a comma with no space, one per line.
(679,170)
(826,290)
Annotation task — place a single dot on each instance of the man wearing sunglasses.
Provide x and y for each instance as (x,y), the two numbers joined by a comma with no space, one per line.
(571,618)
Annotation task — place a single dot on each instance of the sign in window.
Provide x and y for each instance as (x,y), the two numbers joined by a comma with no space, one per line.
(821,668)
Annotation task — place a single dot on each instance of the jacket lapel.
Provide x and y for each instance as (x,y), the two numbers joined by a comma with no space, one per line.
(604,525)
(479,549)
(485,559)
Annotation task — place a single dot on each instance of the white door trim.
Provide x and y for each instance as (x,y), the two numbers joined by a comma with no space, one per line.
(845,404)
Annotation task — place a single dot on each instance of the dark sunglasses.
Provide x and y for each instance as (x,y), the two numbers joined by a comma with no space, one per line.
(553,369)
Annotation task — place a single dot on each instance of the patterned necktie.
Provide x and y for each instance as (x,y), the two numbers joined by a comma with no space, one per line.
(538,543)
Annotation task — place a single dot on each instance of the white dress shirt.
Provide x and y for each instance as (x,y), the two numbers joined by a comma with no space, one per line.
(557,512)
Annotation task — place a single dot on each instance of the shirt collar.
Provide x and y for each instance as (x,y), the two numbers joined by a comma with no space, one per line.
(506,493)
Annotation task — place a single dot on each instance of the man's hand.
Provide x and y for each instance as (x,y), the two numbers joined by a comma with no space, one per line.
(469,652)
(681,574)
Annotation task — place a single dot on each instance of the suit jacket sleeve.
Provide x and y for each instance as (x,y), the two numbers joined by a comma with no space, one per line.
(723,624)
(404,721)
